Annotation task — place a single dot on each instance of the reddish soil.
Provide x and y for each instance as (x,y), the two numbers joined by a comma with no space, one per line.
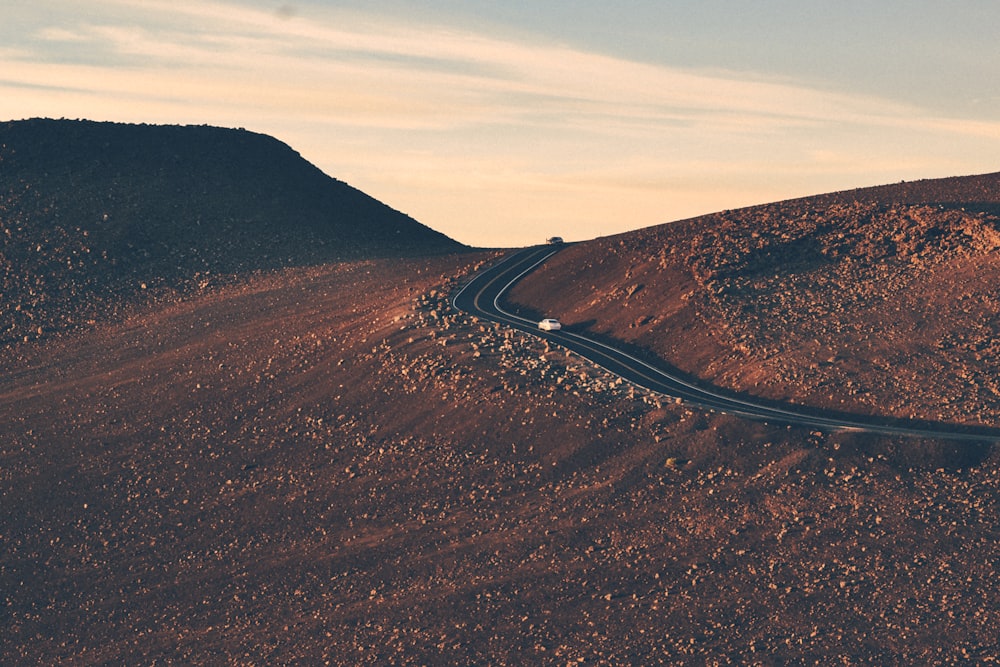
(327,465)
(260,463)
(843,301)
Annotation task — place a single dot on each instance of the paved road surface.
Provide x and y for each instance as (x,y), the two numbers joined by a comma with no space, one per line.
(483,297)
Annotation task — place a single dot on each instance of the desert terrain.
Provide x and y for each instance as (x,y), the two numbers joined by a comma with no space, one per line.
(322,462)
(876,301)
(100,216)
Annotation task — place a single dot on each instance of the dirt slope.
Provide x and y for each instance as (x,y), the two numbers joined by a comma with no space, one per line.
(95,216)
(327,465)
(882,300)
(308,461)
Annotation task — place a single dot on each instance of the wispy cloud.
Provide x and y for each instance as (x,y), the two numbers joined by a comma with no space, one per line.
(60,34)
(420,76)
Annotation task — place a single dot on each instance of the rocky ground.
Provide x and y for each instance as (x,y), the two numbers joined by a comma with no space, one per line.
(291,459)
(329,465)
(96,217)
(846,301)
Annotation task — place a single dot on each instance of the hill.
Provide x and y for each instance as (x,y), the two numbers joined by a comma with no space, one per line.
(879,300)
(326,464)
(93,215)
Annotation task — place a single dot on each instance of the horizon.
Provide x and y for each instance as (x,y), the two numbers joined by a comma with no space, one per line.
(501,125)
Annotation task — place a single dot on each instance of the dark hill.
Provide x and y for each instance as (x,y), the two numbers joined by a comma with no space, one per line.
(92,214)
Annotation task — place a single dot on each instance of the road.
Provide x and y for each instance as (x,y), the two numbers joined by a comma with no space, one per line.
(483,297)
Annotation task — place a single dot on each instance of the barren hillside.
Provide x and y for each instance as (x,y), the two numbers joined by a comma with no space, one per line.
(94,216)
(323,464)
(881,300)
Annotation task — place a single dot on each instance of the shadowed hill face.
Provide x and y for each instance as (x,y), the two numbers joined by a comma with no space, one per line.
(877,301)
(92,213)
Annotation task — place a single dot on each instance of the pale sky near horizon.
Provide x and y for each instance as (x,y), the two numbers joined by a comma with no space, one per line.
(502,123)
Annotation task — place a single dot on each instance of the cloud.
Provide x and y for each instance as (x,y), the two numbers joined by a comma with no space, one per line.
(59,34)
(422,76)
(427,116)
(369,71)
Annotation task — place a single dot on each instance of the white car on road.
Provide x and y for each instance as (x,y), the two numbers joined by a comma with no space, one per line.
(549,324)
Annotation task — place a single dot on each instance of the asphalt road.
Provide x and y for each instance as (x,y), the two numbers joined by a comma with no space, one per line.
(483,297)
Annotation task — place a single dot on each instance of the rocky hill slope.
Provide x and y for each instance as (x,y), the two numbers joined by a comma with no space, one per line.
(93,215)
(326,464)
(881,300)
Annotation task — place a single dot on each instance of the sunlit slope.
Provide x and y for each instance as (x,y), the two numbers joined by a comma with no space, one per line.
(880,300)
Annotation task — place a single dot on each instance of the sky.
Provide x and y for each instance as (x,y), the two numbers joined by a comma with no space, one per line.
(500,124)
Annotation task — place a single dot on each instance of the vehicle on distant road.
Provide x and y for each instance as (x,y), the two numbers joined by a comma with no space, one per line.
(548,324)
(554,240)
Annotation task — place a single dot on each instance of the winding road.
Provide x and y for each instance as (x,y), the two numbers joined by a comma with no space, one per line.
(483,297)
